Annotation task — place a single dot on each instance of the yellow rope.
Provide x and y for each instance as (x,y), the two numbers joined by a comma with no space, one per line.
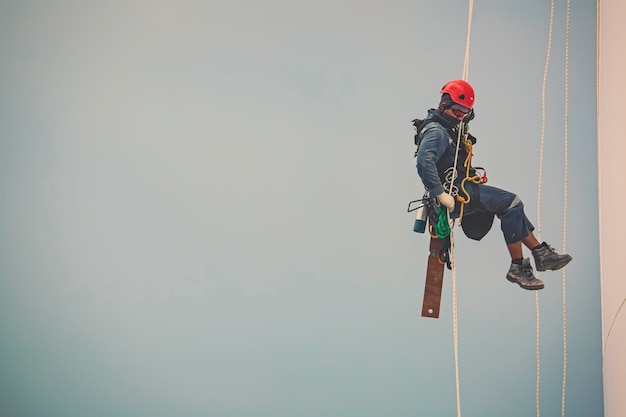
(476,179)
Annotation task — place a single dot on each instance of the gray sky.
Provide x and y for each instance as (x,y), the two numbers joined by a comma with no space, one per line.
(205,209)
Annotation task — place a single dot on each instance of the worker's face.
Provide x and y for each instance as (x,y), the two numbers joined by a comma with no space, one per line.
(457,111)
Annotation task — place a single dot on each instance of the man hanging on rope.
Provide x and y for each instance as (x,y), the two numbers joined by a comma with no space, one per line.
(442,140)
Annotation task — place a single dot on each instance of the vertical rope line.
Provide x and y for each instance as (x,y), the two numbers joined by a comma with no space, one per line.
(467,42)
(456,325)
(539,187)
(452,249)
(537,350)
(565,175)
(455,320)
(543,119)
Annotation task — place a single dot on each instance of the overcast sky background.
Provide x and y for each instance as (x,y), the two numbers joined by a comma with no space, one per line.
(204,209)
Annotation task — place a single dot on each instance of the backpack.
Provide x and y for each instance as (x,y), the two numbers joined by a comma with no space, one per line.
(419,125)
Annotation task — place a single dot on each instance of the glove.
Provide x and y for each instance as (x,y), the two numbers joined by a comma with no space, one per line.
(446,200)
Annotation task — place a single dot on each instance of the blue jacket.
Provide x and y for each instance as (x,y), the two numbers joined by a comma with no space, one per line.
(436,151)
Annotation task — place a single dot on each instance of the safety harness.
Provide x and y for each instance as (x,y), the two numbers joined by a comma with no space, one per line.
(439,227)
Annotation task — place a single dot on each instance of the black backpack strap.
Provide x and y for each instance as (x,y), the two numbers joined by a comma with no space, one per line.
(419,125)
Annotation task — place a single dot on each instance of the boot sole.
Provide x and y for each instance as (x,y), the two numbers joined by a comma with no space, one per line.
(555,267)
(526,287)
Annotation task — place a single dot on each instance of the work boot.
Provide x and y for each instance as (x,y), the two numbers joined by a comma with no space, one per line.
(546,258)
(523,276)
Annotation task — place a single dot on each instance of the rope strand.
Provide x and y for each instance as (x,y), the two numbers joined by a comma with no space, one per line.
(467,42)
(452,255)
(455,326)
(539,186)
(565,175)
(454,298)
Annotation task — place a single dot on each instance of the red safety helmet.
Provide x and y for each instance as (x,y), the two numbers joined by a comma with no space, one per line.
(461,92)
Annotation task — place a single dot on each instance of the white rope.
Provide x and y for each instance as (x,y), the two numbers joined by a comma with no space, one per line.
(455,320)
(538,332)
(565,175)
(455,325)
(539,186)
(452,256)
(467,42)
(566,169)
(543,119)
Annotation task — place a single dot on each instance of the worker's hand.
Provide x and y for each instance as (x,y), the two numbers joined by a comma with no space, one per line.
(446,200)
